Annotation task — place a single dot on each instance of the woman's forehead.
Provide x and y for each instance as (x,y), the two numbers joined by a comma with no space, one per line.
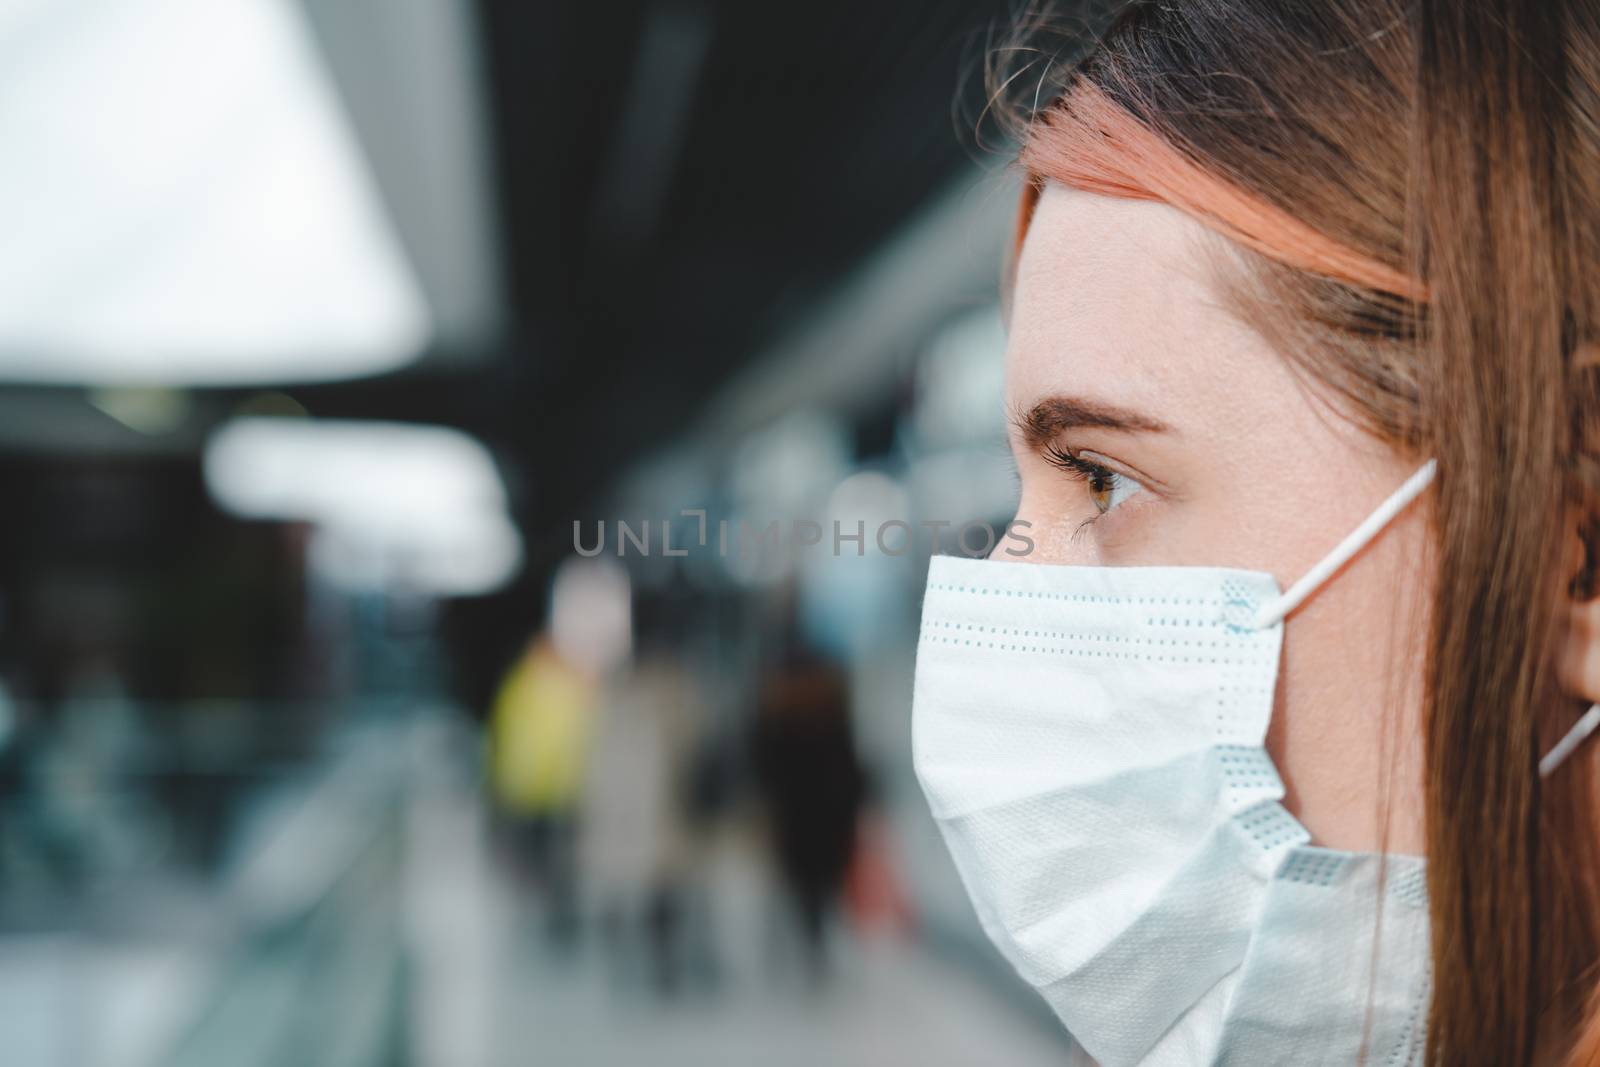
(1116,299)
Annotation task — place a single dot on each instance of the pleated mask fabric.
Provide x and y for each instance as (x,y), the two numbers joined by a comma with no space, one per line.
(1091,743)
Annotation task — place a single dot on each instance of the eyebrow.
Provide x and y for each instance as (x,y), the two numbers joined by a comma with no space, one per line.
(1049,417)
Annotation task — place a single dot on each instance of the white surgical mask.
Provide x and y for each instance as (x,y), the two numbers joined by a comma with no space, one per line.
(1091,740)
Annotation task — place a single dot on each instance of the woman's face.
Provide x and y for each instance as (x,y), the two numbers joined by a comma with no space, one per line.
(1151,427)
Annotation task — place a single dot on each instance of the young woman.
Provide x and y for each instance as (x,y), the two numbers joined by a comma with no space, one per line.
(1302,368)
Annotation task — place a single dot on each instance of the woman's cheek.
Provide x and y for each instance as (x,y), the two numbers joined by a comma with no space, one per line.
(1056,531)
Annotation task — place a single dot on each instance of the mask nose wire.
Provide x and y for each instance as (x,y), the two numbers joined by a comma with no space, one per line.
(1274,610)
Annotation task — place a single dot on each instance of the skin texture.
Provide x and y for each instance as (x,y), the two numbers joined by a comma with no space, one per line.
(1117,303)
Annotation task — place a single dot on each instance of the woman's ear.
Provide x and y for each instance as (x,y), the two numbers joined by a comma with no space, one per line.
(1578,666)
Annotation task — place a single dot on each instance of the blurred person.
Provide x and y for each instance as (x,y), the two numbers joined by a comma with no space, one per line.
(636,842)
(1270,750)
(811,782)
(539,731)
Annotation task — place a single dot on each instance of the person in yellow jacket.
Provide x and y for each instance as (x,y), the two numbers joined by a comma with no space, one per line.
(539,732)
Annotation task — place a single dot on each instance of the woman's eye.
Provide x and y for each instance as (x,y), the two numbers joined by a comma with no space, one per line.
(1107,488)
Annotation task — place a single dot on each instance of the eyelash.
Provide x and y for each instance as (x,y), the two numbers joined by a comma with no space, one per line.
(1074,464)
(1078,468)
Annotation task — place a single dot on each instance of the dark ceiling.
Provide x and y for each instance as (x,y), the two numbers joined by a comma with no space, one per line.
(677,182)
(678,185)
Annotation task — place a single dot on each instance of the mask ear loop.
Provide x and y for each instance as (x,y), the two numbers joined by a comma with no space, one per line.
(1274,610)
(1567,745)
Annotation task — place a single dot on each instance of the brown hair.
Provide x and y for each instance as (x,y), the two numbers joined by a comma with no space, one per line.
(1412,188)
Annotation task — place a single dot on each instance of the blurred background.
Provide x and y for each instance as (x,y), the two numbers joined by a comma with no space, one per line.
(470,470)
